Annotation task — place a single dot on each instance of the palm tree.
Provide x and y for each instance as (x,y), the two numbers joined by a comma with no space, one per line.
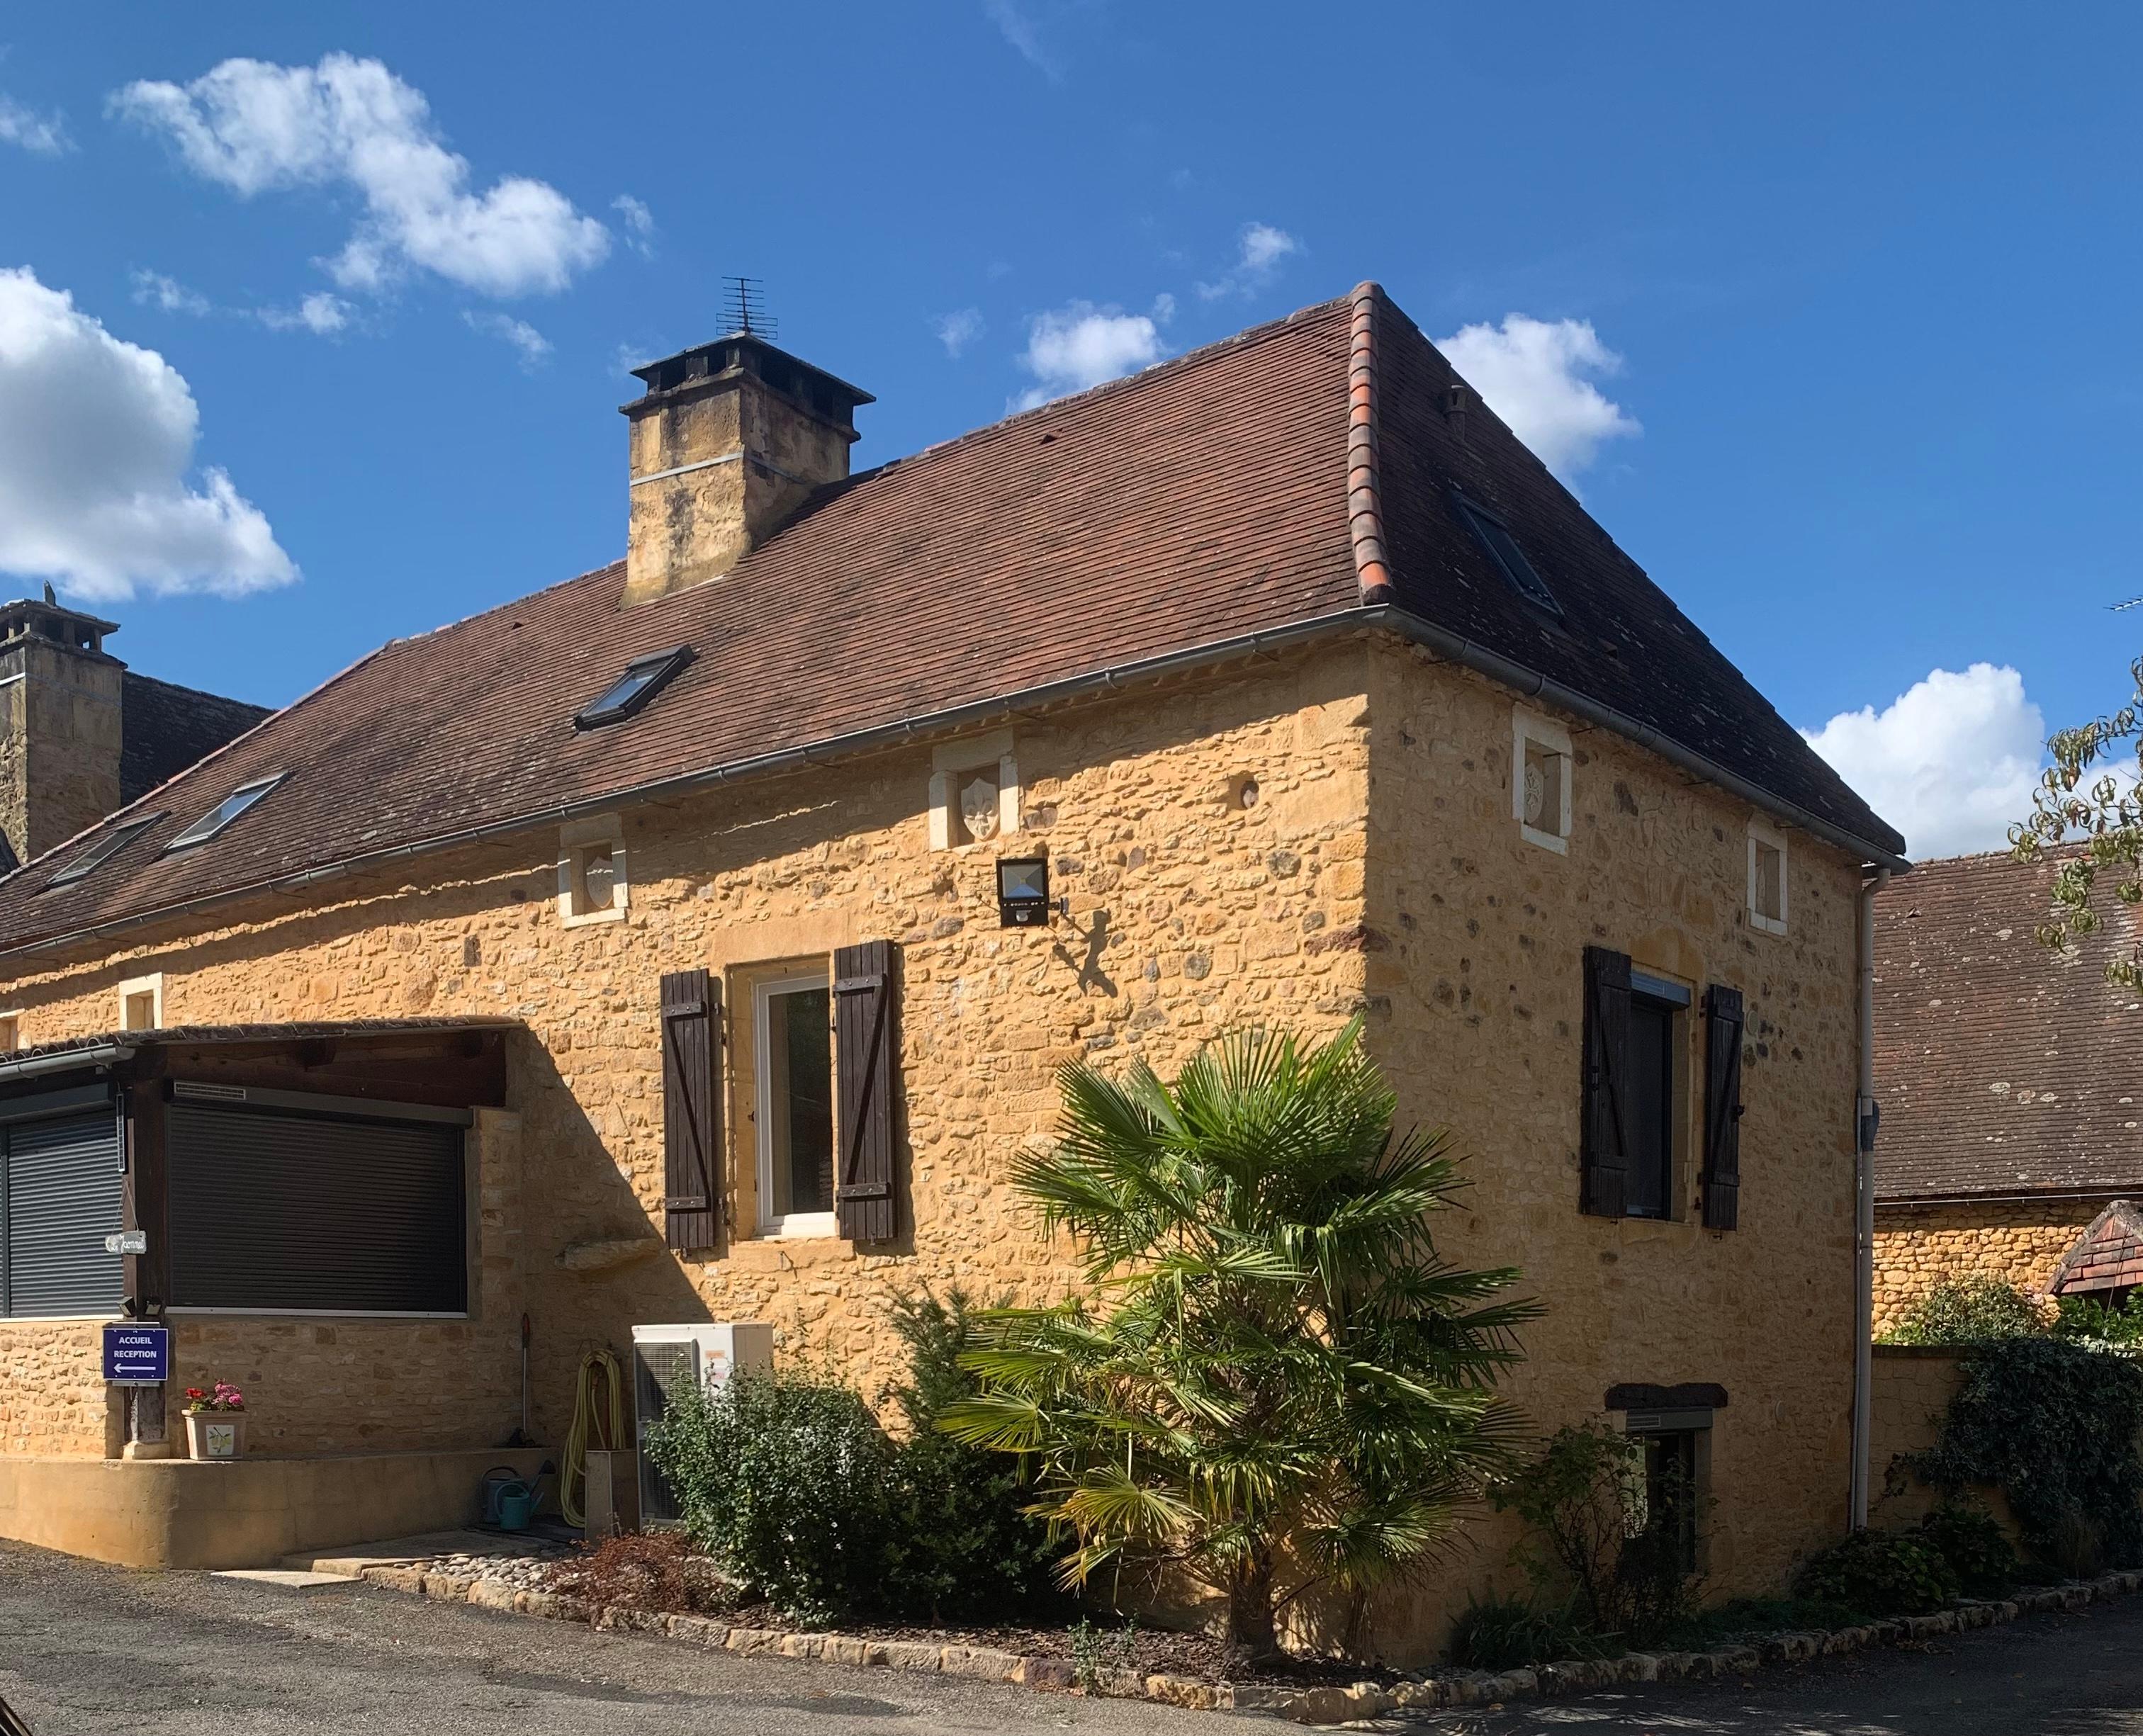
(1276,1383)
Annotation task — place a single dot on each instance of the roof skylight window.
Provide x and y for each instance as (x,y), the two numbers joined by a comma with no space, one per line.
(1495,536)
(223,813)
(644,677)
(104,849)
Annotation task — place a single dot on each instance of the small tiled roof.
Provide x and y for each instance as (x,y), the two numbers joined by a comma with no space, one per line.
(165,728)
(2002,1068)
(1216,496)
(2107,1256)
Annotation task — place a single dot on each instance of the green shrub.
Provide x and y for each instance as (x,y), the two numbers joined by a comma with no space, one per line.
(1509,1632)
(965,1548)
(1975,1547)
(1974,1310)
(2053,1425)
(783,1479)
(2083,1317)
(1626,1568)
(790,1482)
(1880,1573)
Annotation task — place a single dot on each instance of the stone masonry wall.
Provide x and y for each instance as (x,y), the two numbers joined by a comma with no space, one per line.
(53,1394)
(1474,947)
(1190,914)
(2023,1241)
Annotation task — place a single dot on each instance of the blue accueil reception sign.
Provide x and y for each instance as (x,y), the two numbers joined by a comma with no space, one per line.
(137,1356)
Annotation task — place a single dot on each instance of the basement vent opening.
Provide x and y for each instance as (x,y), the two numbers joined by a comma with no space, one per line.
(224,813)
(104,849)
(644,677)
(1494,536)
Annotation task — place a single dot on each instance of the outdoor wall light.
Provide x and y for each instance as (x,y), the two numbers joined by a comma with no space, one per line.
(1023,892)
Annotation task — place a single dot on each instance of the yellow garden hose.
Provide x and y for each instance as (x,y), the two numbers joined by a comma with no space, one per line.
(572,1482)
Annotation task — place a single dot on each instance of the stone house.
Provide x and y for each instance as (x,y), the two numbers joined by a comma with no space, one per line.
(2013,1109)
(736,904)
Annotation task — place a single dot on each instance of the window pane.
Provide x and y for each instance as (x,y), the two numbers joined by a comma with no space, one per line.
(1650,1109)
(800,1071)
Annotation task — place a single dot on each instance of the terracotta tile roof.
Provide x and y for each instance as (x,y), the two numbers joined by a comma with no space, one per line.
(1216,496)
(2001,1069)
(2107,1256)
(166,727)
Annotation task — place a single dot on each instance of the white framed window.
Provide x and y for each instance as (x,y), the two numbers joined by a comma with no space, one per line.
(592,887)
(974,791)
(793,1082)
(1766,877)
(1540,779)
(141,1002)
(11,1031)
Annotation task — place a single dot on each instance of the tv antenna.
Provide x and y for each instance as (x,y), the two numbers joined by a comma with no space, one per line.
(745,308)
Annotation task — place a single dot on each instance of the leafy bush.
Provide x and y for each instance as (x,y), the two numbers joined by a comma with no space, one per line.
(2053,1425)
(1282,1385)
(1584,1497)
(790,1482)
(783,1478)
(1509,1632)
(1880,1573)
(1975,1547)
(1975,1310)
(2083,1317)
(965,1547)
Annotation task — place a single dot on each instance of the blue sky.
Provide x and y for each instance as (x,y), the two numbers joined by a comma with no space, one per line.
(1826,312)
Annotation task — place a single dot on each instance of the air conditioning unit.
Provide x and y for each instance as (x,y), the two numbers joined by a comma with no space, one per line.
(666,1358)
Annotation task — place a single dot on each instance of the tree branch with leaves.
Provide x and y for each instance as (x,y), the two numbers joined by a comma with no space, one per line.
(2082,801)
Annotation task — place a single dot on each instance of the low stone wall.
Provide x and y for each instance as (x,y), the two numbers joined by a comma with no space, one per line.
(2023,1241)
(244,1513)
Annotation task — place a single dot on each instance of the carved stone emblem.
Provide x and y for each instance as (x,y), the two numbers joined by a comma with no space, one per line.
(978,808)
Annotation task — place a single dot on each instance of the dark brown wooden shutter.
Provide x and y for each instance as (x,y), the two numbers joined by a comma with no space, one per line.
(867,1064)
(1722,1107)
(691,1111)
(1603,1136)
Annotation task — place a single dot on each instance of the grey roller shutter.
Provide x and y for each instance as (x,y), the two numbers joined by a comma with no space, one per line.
(62,1185)
(306,1212)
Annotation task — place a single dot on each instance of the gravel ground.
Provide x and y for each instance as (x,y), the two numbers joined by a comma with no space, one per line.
(89,1650)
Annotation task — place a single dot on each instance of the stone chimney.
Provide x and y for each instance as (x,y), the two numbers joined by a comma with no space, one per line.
(730,441)
(60,724)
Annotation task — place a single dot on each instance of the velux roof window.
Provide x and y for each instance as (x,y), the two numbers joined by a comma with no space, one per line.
(104,849)
(1495,536)
(223,813)
(644,677)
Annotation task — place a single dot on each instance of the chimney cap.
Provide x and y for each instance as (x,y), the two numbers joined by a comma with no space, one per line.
(748,352)
(29,617)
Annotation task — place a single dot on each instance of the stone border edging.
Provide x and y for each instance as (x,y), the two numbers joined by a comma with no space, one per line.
(1304,1705)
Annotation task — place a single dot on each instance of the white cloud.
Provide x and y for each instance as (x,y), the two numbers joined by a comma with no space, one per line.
(639,223)
(42,135)
(1951,762)
(1532,373)
(152,289)
(1259,251)
(1081,345)
(957,330)
(97,443)
(534,346)
(1016,24)
(254,127)
(322,314)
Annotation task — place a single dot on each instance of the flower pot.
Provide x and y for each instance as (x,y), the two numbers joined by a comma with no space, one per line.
(215,1434)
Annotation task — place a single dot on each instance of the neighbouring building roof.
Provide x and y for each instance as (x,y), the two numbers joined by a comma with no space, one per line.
(2001,1069)
(165,728)
(1200,502)
(2107,1256)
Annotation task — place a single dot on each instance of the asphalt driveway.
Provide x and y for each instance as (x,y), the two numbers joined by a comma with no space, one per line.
(87,1650)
